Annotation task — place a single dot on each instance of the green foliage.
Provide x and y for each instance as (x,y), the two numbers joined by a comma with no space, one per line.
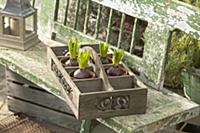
(73,48)
(117,56)
(192,2)
(103,48)
(83,58)
(184,54)
(197,4)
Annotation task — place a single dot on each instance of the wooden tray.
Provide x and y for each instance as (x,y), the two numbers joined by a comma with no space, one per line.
(101,96)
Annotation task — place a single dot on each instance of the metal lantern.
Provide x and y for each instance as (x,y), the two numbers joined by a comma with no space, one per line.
(18,25)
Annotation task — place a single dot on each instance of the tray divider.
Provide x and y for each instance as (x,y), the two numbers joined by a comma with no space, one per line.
(100,70)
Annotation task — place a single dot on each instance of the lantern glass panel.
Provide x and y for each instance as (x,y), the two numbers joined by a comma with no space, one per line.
(10,26)
(29,27)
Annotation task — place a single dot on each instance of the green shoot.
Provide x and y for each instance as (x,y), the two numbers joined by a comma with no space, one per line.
(117,56)
(83,58)
(73,48)
(103,48)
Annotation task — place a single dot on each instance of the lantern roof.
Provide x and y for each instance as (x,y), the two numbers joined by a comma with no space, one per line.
(18,7)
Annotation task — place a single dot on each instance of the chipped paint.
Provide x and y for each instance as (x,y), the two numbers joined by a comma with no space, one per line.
(29,64)
(155,11)
(160,114)
(185,10)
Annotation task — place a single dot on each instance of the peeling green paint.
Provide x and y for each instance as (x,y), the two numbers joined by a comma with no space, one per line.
(163,111)
(28,63)
(115,126)
(155,53)
(171,12)
(66,33)
(45,16)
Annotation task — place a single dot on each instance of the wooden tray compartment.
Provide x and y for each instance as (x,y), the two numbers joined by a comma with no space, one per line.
(101,96)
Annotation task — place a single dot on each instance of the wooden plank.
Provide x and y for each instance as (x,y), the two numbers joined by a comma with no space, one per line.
(122,82)
(121,30)
(109,25)
(112,103)
(59,50)
(12,76)
(99,128)
(76,14)
(1,27)
(38,96)
(89,85)
(98,21)
(102,129)
(57,129)
(194,121)
(86,16)
(66,13)
(41,113)
(33,3)
(133,36)
(56,10)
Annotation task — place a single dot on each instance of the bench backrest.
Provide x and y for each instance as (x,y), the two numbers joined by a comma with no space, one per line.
(85,19)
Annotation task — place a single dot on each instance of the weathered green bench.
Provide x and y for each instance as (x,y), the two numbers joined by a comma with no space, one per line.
(163,17)
(164,108)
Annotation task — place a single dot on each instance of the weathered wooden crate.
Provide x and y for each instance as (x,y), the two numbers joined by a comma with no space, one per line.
(101,96)
(26,97)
